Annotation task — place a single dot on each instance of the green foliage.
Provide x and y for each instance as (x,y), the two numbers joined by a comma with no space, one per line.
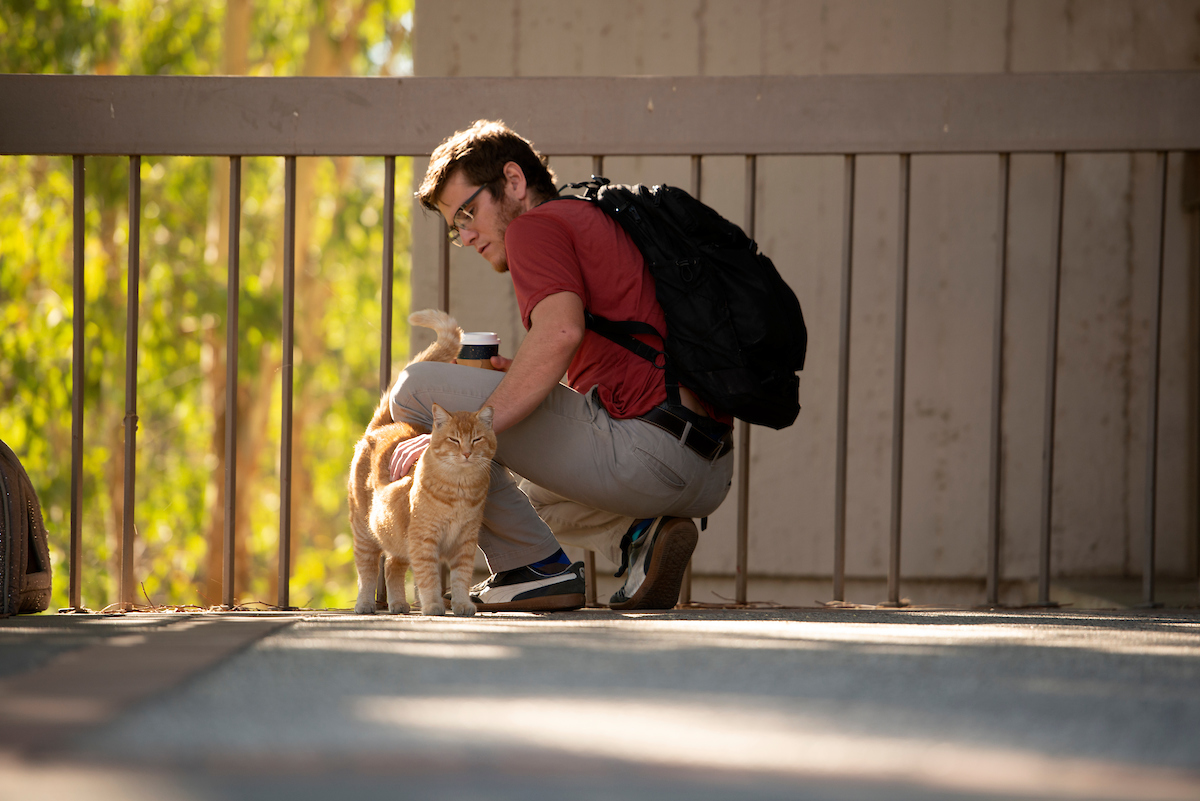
(182,306)
(46,36)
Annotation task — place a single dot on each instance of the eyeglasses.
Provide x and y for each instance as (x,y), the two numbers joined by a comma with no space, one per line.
(461,219)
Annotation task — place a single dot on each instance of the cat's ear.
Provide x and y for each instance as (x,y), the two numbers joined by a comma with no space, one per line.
(440,415)
(486,414)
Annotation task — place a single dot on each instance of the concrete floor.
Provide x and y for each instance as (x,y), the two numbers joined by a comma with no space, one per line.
(695,704)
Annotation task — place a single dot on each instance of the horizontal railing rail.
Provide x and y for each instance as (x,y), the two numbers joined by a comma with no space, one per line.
(847,116)
(224,116)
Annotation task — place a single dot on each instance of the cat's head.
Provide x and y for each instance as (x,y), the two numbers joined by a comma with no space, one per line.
(462,437)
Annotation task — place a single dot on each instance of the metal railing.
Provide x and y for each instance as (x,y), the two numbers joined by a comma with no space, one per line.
(598,117)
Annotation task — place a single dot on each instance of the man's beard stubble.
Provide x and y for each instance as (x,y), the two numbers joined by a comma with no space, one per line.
(509,211)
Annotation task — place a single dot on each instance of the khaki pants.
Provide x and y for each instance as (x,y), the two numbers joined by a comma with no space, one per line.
(583,476)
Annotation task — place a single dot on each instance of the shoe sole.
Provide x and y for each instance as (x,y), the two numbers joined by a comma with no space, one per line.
(546,603)
(664,574)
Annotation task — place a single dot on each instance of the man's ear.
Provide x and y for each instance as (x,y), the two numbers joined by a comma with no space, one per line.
(514,182)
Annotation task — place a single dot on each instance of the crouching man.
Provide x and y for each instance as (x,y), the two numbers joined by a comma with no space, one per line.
(603,461)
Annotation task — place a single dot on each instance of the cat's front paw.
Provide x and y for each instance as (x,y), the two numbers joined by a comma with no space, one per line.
(365,607)
(398,607)
(435,608)
(463,608)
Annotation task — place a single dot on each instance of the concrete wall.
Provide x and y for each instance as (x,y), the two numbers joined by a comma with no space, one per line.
(1109,232)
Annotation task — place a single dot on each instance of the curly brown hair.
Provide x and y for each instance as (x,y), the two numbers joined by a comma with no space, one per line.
(481,152)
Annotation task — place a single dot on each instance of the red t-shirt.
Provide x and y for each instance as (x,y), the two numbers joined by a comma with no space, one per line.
(572,246)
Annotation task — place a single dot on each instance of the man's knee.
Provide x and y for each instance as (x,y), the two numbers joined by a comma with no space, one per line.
(415,377)
(455,387)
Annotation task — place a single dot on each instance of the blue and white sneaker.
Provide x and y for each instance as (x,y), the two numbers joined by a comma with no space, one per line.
(656,562)
(527,589)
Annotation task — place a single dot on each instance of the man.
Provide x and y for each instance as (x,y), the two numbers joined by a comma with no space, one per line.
(604,462)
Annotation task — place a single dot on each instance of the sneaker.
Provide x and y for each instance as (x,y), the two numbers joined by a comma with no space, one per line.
(656,563)
(526,589)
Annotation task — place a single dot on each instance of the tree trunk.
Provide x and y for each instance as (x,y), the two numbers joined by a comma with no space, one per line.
(210,584)
(110,412)
(326,56)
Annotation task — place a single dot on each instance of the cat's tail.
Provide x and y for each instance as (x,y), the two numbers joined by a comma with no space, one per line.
(444,349)
(449,335)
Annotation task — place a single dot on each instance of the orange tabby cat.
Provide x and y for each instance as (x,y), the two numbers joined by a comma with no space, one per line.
(432,514)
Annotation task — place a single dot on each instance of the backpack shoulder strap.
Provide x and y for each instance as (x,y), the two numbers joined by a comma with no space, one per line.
(622,332)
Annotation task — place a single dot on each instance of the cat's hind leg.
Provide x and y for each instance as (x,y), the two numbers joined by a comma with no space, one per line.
(383,531)
(366,560)
(394,569)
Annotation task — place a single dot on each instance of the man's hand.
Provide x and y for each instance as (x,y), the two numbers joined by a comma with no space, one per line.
(406,455)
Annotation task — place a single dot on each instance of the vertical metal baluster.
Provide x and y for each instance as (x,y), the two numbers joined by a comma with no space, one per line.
(994,476)
(385,325)
(444,268)
(232,289)
(589,557)
(898,382)
(839,504)
(1191,204)
(685,588)
(589,578)
(1160,174)
(289,318)
(389,244)
(743,462)
(1060,171)
(131,349)
(444,305)
(77,377)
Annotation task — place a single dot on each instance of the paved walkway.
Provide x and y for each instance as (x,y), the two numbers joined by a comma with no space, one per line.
(714,704)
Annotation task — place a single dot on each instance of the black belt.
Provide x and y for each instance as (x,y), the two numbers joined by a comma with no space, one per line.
(683,424)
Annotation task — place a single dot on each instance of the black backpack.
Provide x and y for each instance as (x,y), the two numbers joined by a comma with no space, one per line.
(735,331)
(24,553)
